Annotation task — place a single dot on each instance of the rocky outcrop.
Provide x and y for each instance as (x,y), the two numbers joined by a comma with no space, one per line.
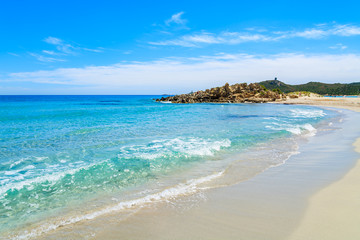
(237,93)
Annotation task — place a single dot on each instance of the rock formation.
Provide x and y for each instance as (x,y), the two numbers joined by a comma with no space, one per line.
(237,93)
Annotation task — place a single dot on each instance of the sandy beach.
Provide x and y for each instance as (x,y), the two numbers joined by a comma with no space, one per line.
(333,212)
(341,102)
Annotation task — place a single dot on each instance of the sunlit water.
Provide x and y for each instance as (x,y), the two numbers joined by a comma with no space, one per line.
(73,158)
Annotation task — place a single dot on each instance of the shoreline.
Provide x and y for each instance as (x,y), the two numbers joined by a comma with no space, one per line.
(76,215)
(272,205)
(334,211)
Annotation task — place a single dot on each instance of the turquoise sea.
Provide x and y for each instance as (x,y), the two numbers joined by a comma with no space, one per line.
(67,159)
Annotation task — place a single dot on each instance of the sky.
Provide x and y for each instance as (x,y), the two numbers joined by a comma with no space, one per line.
(171,47)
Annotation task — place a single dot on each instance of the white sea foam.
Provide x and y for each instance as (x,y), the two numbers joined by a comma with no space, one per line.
(298,129)
(39,159)
(17,162)
(302,113)
(190,187)
(306,129)
(40,179)
(295,130)
(16,172)
(185,146)
(11,172)
(19,185)
(311,131)
(286,156)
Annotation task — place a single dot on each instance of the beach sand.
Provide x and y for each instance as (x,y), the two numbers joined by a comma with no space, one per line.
(333,212)
(345,103)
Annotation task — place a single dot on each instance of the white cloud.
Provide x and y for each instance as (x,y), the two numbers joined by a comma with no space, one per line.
(53,40)
(179,75)
(256,29)
(199,39)
(345,30)
(191,40)
(43,58)
(14,54)
(99,50)
(339,46)
(311,33)
(176,18)
(62,49)
(66,48)
(320,31)
(202,38)
(61,46)
(50,52)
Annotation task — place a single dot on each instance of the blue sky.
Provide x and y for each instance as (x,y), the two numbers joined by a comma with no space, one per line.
(155,47)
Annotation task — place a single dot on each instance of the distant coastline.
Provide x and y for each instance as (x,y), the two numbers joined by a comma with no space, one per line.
(335,89)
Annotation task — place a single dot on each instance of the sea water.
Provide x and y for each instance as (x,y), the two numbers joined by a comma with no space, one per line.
(67,159)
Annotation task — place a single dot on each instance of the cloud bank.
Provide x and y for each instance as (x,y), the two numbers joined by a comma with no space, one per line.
(179,75)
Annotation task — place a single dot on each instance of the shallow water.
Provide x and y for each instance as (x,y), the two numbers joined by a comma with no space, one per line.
(268,206)
(65,159)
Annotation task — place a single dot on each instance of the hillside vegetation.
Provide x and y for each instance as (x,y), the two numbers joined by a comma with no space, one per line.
(315,87)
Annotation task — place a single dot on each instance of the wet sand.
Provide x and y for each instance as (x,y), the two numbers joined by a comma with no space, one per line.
(334,212)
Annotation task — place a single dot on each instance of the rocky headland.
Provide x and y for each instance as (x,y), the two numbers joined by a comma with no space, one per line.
(237,93)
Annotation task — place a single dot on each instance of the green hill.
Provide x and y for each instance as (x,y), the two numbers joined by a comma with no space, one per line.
(316,87)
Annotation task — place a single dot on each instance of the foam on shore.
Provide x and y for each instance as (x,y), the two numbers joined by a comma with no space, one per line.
(190,187)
